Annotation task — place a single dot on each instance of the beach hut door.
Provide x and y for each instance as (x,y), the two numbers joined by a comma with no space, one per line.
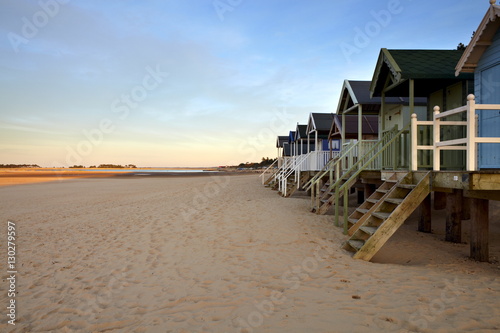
(489,120)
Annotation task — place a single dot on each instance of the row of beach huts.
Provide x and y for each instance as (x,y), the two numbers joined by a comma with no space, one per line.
(423,133)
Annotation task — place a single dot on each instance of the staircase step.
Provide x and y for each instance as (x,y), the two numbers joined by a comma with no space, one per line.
(355,243)
(381,215)
(381,191)
(373,201)
(408,186)
(362,210)
(352,220)
(394,201)
(369,230)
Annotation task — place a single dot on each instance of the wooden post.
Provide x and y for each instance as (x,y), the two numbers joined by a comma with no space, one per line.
(436,151)
(479,229)
(471,133)
(313,191)
(381,118)
(360,131)
(412,96)
(425,212)
(360,122)
(308,143)
(414,140)
(318,194)
(439,200)
(453,216)
(412,112)
(342,130)
(337,205)
(346,208)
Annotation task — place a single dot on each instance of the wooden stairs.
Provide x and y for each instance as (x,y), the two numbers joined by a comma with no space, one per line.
(359,216)
(270,180)
(325,199)
(293,186)
(392,210)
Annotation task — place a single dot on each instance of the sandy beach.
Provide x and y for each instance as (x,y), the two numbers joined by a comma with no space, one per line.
(225,254)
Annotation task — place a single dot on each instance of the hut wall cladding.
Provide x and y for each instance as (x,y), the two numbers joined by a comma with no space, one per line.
(487,85)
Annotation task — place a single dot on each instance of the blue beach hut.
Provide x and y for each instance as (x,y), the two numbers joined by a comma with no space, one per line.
(482,57)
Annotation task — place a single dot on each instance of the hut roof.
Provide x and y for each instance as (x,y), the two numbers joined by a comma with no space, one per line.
(280,140)
(481,40)
(358,92)
(370,126)
(300,132)
(320,122)
(433,69)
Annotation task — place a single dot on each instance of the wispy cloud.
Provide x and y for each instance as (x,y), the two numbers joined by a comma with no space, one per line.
(226,79)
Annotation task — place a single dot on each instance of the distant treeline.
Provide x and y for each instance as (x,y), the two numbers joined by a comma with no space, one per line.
(105,166)
(19,166)
(266,161)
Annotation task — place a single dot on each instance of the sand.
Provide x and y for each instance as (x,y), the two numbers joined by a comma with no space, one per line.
(224,254)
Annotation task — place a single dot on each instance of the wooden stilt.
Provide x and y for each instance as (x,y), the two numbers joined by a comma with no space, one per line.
(425,218)
(454,216)
(318,193)
(439,200)
(466,209)
(479,224)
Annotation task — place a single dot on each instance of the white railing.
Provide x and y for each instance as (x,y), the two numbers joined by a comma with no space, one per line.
(295,168)
(287,163)
(468,144)
(342,160)
(311,161)
(318,159)
(268,172)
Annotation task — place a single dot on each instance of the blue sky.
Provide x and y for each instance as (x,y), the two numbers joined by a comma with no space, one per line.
(192,82)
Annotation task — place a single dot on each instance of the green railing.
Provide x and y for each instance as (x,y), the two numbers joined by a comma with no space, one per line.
(397,157)
(388,141)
